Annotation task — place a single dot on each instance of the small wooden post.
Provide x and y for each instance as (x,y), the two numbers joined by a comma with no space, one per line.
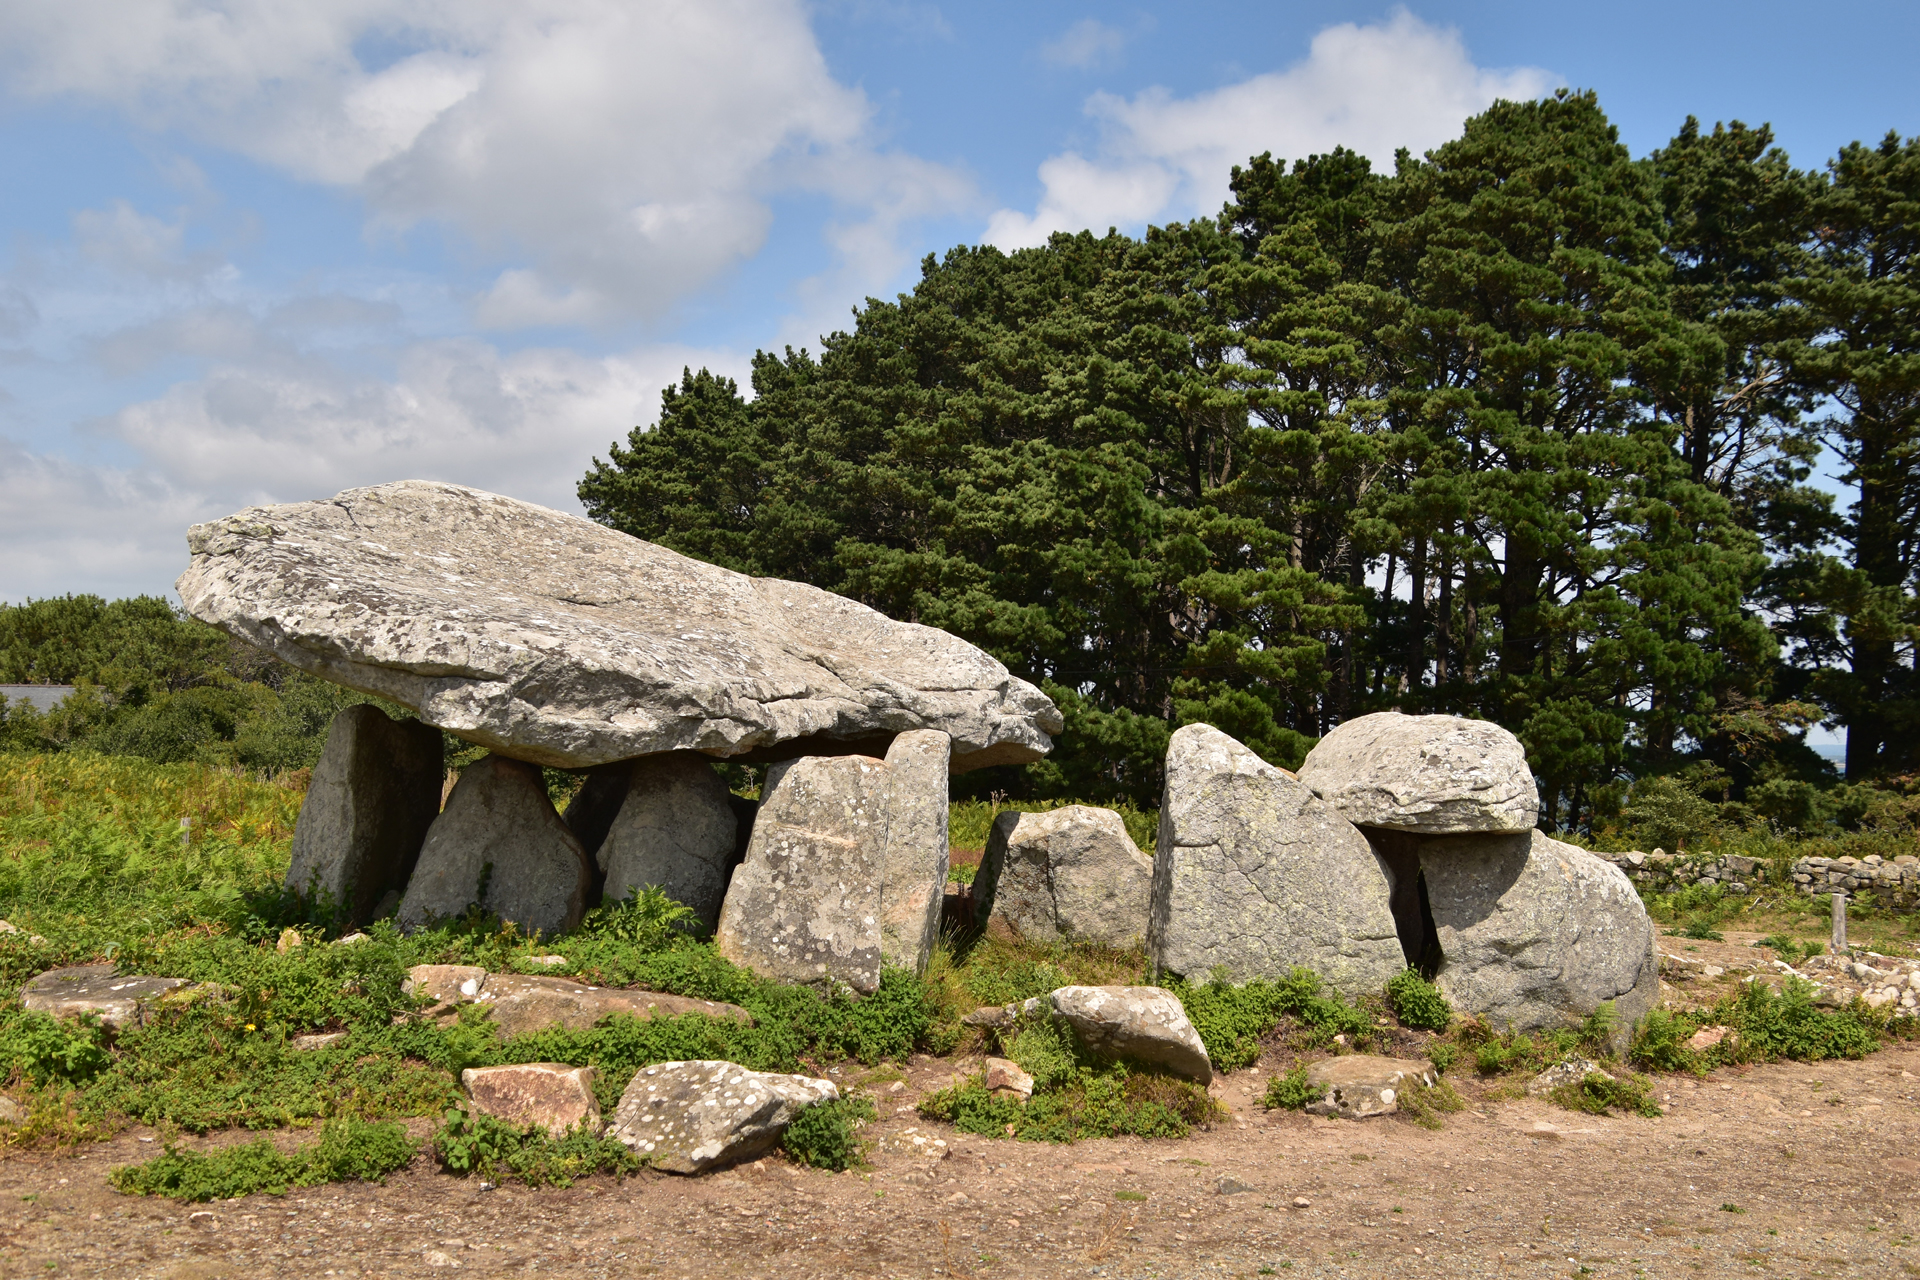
(1840,924)
(186,832)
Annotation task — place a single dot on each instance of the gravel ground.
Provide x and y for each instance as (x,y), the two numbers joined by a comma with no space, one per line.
(1819,1163)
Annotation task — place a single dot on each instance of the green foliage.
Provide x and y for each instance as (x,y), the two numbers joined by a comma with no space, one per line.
(1598,1094)
(49,1050)
(1443,1055)
(1771,1025)
(1232,1020)
(826,1134)
(1425,1104)
(1664,812)
(1417,1002)
(1792,950)
(1043,1046)
(348,1151)
(1105,1102)
(1701,928)
(470,1142)
(1289,1092)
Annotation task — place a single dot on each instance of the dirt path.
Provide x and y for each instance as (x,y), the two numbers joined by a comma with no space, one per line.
(1821,1162)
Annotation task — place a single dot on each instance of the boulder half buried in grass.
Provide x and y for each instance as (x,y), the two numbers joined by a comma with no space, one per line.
(1357,1085)
(1069,874)
(1536,933)
(1254,874)
(1436,775)
(1145,1024)
(118,1000)
(521,1003)
(688,1117)
(374,794)
(553,1095)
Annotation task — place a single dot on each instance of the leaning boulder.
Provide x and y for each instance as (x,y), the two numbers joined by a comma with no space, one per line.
(805,905)
(1067,874)
(1436,775)
(688,1117)
(1536,933)
(118,1000)
(1253,874)
(499,843)
(374,793)
(1146,1024)
(553,1095)
(674,831)
(550,638)
(519,1004)
(913,880)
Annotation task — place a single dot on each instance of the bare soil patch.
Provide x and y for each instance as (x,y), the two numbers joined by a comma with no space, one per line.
(1785,1170)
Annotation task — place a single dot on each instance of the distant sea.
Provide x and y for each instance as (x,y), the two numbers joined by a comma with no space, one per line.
(1833,751)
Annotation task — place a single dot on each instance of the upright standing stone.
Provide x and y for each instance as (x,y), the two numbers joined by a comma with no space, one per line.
(805,905)
(374,793)
(1435,775)
(1253,874)
(499,829)
(596,804)
(1068,874)
(675,831)
(914,879)
(1537,933)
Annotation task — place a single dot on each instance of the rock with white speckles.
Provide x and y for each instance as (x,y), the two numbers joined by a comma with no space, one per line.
(117,999)
(1253,874)
(552,639)
(1435,775)
(689,1117)
(805,905)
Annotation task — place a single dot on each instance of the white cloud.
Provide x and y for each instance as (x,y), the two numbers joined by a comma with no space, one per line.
(277,427)
(1374,89)
(613,155)
(1087,43)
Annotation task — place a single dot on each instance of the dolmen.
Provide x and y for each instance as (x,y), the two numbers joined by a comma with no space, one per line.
(557,643)
(1404,840)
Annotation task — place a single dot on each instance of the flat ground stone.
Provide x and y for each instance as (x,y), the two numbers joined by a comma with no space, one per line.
(374,794)
(553,1095)
(674,831)
(1253,874)
(1436,775)
(550,638)
(522,1003)
(118,1000)
(805,905)
(1536,933)
(1357,1085)
(913,880)
(1146,1024)
(1070,874)
(688,1117)
(500,826)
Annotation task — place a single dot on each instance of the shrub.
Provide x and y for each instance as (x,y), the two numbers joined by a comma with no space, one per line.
(825,1135)
(1289,1092)
(1443,1055)
(1660,1044)
(1425,1104)
(1231,1020)
(48,1050)
(348,1150)
(1598,1094)
(1417,1002)
(469,1142)
(1109,1102)
(1787,1025)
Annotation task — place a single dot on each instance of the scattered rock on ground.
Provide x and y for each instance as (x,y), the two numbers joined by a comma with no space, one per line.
(914,877)
(316,1040)
(1069,874)
(118,1000)
(1357,1085)
(521,1003)
(1228,1185)
(1004,1076)
(1146,1024)
(1537,933)
(805,905)
(1436,775)
(1571,1071)
(553,1095)
(688,1117)
(553,639)
(1707,1037)
(11,1112)
(500,827)
(375,791)
(674,830)
(1255,874)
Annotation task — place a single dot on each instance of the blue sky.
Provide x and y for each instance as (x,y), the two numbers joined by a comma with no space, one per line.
(263,252)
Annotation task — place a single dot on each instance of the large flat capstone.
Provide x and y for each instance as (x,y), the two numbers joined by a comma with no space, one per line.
(1435,775)
(1253,874)
(552,639)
